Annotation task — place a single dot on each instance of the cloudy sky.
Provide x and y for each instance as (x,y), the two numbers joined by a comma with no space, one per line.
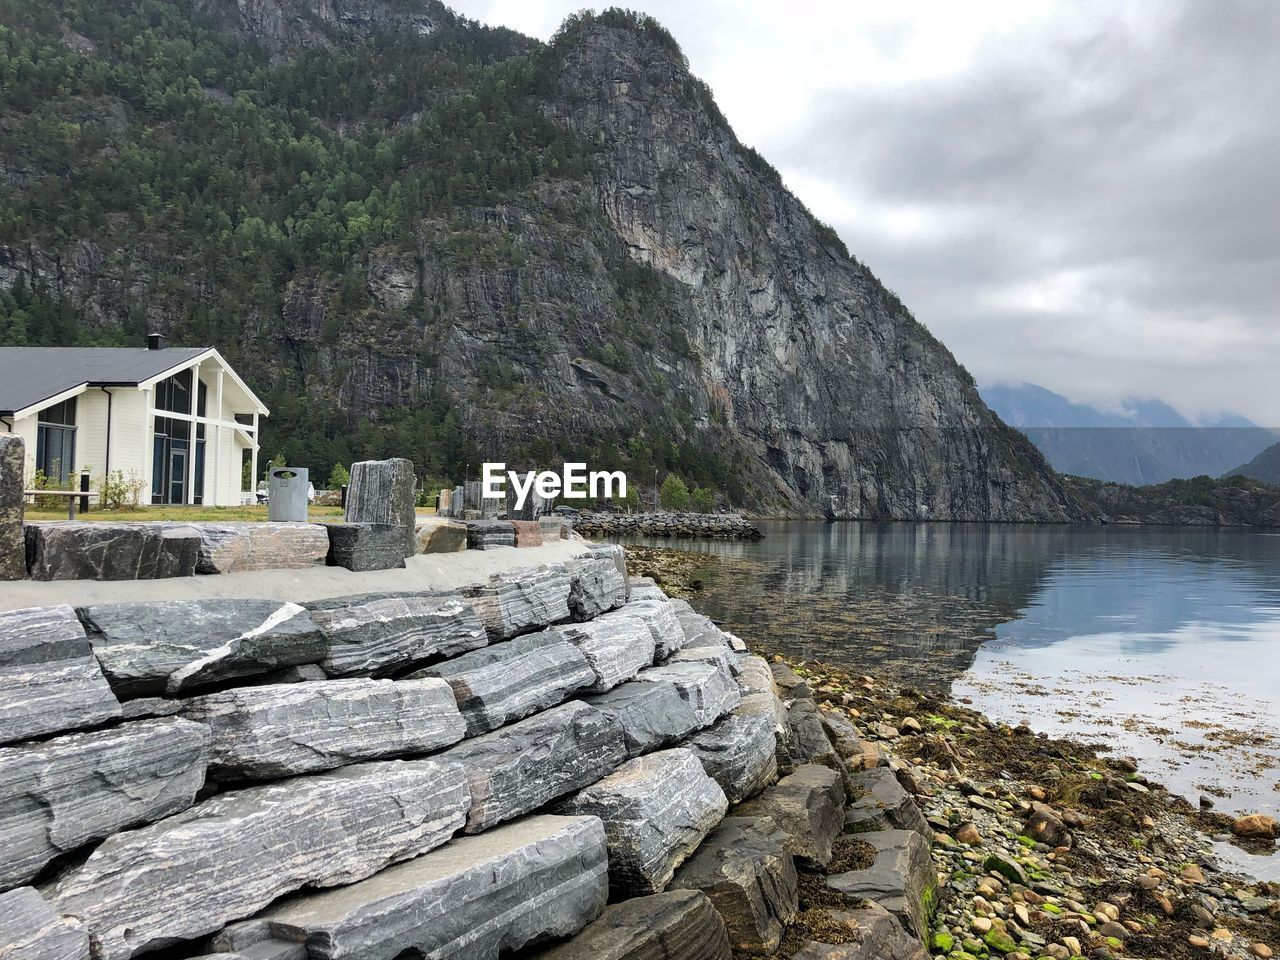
(1084,195)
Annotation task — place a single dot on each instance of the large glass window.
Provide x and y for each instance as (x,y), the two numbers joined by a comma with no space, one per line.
(56,441)
(169,453)
(174,393)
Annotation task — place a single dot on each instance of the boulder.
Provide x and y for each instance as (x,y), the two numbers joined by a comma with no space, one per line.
(490,534)
(676,925)
(94,550)
(475,899)
(900,878)
(873,934)
(745,869)
(616,553)
(1043,825)
(507,681)
(31,930)
(528,533)
(361,547)
(656,809)
(616,648)
(1256,826)
(514,603)
(231,855)
(160,647)
(374,634)
(444,502)
(809,805)
(49,679)
(846,742)
(879,802)
(660,617)
(57,795)
(382,492)
(738,750)
(13,555)
(521,767)
(595,586)
(440,535)
(287,729)
(710,692)
(553,528)
(246,547)
(791,685)
(809,740)
(652,714)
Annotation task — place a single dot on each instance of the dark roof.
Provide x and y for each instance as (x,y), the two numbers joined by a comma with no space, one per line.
(29,375)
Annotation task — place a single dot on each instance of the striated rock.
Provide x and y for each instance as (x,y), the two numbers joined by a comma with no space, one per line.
(745,869)
(474,899)
(754,676)
(171,646)
(241,547)
(288,729)
(660,618)
(145,707)
(93,550)
(652,714)
(521,767)
(656,810)
(31,930)
(873,934)
(13,556)
(708,691)
(596,586)
(515,603)
(642,590)
(361,547)
(59,794)
(528,533)
(616,648)
(844,739)
(439,534)
(676,925)
(381,492)
(809,805)
(553,528)
(809,740)
(616,553)
(490,534)
(376,633)
(49,679)
(900,879)
(229,856)
(879,802)
(738,750)
(507,681)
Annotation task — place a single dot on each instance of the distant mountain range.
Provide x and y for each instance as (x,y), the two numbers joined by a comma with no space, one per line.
(1265,466)
(1146,441)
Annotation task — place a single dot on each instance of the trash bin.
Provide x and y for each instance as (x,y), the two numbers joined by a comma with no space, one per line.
(287,492)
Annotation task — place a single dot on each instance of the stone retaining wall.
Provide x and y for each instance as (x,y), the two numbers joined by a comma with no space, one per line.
(427,774)
(716,526)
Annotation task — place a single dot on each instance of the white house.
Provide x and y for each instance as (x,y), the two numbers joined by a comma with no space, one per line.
(178,419)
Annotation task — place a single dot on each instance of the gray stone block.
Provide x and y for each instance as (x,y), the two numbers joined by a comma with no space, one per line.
(515,603)
(745,869)
(382,492)
(809,805)
(475,899)
(596,586)
(656,809)
(616,553)
(879,802)
(738,750)
(900,879)
(363,547)
(553,528)
(13,550)
(616,648)
(49,679)
(507,681)
(284,730)
(172,646)
(94,550)
(873,934)
(660,617)
(245,547)
(676,925)
(490,534)
(374,634)
(652,714)
(709,691)
(59,794)
(228,857)
(439,534)
(520,768)
(31,930)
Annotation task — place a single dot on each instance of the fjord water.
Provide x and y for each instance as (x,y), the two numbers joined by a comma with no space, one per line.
(1161,643)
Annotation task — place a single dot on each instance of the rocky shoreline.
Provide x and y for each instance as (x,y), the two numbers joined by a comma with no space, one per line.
(715,526)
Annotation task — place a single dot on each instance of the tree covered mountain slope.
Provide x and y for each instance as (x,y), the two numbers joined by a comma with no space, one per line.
(418,235)
(1265,466)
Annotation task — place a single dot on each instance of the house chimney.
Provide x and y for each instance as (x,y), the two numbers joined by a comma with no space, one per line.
(156,341)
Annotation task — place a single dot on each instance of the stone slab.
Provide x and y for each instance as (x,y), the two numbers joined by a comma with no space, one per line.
(900,879)
(246,547)
(382,492)
(879,802)
(709,691)
(660,617)
(490,534)
(98,550)
(553,528)
(284,730)
(596,586)
(809,805)
(57,795)
(362,547)
(528,533)
(230,856)
(520,768)
(873,934)
(31,930)
(440,534)
(616,648)
(656,809)
(13,549)
(738,751)
(514,603)
(676,925)
(49,679)
(167,647)
(652,714)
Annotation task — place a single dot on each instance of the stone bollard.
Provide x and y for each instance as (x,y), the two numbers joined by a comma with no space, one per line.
(381,491)
(13,551)
(444,502)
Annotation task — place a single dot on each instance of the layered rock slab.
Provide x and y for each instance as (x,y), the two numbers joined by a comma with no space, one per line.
(676,925)
(13,556)
(31,930)
(381,492)
(745,869)
(616,648)
(521,767)
(738,751)
(809,805)
(247,547)
(656,810)
(873,934)
(374,634)
(229,856)
(283,730)
(900,878)
(880,802)
(507,681)
(660,618)
(709,691)
(596,585)
(59,794)
(49,678)
(364,547)
(511,604)
(160,647)
(93,550)
(490,534)
(652,714)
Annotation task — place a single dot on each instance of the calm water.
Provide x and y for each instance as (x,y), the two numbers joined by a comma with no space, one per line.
(1163,643)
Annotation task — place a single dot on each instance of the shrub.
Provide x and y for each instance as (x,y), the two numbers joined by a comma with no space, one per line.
(674,493)
(702,500)
(119,492)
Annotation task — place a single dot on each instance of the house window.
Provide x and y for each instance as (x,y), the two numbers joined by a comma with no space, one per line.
(56,441)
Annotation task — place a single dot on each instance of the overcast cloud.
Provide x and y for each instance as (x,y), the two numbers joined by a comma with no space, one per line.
(1081,195)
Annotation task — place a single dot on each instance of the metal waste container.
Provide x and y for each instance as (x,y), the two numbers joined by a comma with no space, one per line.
(287,490)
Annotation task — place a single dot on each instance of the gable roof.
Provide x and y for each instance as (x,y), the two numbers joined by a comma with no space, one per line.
(30,376)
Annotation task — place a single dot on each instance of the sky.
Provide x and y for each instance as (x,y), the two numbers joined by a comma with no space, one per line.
(1083,195)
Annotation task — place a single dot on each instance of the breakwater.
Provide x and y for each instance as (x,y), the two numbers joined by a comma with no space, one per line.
(716,526)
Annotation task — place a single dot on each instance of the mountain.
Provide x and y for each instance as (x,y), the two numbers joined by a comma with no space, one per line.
(1146,442)
(1265,466)
(418,235)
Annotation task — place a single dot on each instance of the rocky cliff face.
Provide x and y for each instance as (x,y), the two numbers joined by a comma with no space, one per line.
(671,295)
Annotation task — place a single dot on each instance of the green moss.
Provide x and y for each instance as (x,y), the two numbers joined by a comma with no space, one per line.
(943,942)
(999,941)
